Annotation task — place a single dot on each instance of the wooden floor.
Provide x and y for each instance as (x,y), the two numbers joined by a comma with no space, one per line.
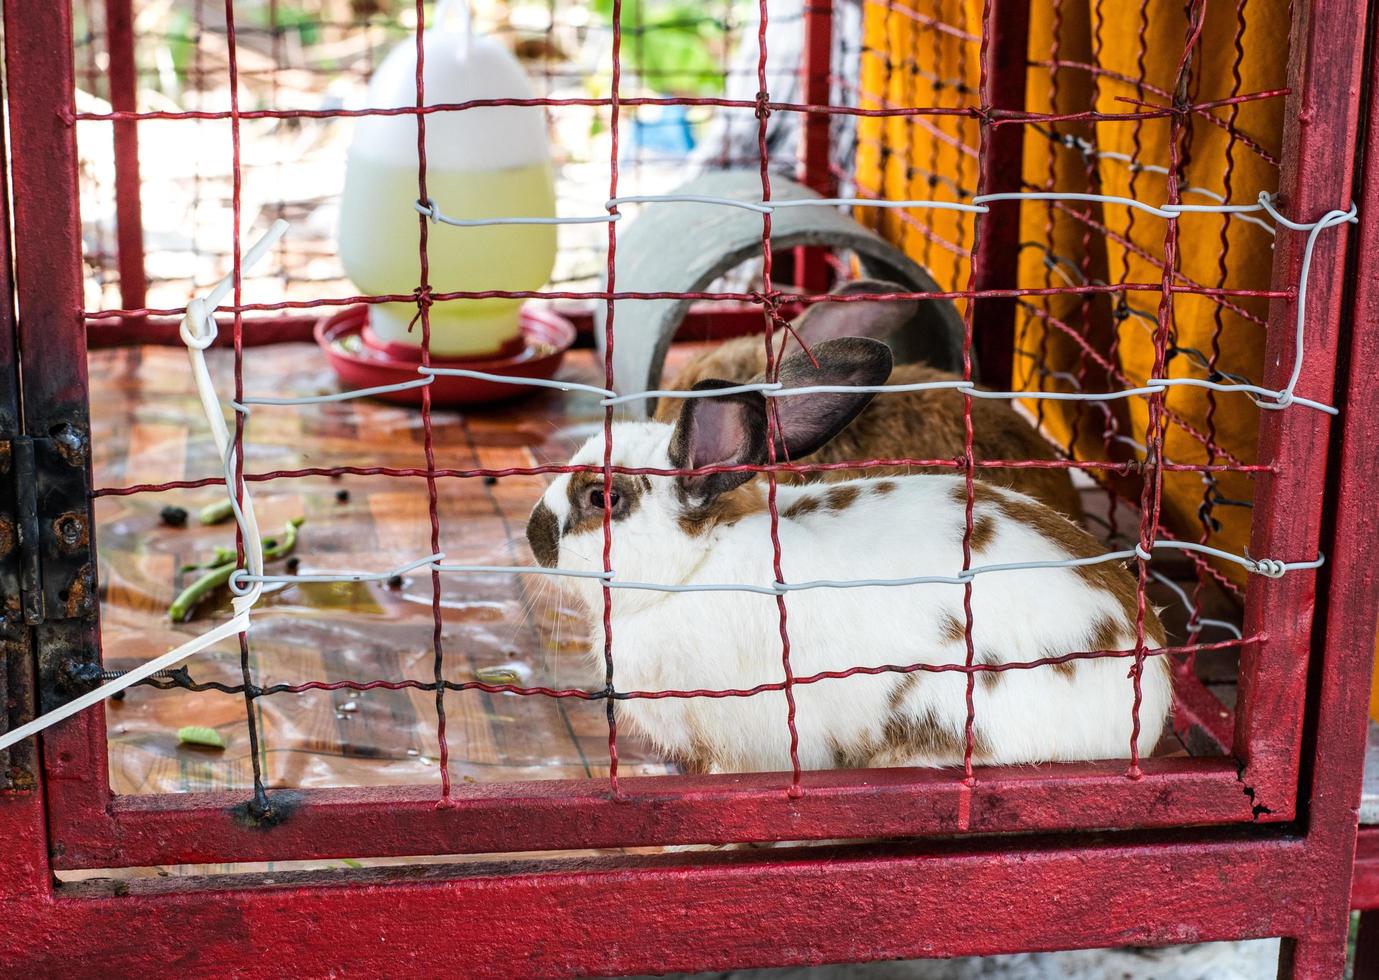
(148,427)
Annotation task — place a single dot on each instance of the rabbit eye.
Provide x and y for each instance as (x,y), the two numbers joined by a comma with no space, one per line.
(596,499)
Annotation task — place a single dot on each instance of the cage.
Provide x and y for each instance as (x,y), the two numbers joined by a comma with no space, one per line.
(397,720)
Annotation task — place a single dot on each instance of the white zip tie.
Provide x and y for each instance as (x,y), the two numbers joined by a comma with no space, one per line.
(198,331)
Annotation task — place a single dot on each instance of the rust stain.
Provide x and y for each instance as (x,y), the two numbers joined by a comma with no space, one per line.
(71,530)
(70,443)
(78,598)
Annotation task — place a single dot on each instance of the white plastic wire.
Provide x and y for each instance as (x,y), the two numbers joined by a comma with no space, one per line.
(198,332)
(508,379)
(1328,220)
(1186,602)
(433,211)
(1265,398)
(1269,567)
(335,396)
(1088,149)
(257,580)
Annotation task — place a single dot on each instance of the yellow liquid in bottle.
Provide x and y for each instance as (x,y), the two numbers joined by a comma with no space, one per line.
(379,236)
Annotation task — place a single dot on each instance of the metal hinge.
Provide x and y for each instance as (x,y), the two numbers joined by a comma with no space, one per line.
(49,534)
(18,763)
(47,575)
(48,650)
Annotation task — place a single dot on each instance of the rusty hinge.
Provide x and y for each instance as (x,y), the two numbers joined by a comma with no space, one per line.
(11,562)
(18,763)
(52,527)
(47,584)
(59,587)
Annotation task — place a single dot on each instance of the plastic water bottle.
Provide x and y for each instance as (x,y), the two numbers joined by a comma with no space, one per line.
(480,163)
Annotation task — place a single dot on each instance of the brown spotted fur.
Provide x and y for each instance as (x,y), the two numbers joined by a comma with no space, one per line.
(908,425)
(902,739)
(954,630)
(1110,577)
(725,509)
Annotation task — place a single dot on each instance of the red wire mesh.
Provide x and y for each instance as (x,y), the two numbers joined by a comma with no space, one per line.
(959,236)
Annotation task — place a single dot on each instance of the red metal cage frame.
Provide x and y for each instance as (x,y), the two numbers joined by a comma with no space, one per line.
(1299,738)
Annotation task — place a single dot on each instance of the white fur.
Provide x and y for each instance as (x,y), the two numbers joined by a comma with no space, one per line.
(719,640)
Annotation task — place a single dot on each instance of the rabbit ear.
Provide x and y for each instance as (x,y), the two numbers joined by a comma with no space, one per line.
(730,430)
(727,430)
(874,318)
(809,421)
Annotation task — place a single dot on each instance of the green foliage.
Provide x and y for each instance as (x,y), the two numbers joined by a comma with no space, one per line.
(287,18)
(670,44)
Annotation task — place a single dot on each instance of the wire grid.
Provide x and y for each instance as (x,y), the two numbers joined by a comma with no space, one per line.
(309,58)
(949,43)
(1149,536)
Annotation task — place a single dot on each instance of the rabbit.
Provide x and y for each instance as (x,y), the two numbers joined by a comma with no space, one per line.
(713,528)
(905,425)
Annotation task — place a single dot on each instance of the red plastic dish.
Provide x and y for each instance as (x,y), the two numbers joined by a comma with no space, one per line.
(362,361)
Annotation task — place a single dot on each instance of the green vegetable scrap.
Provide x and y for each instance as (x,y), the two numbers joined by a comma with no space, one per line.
(216,513)
(496,675)
(200,735)
(222,566)
(218,558)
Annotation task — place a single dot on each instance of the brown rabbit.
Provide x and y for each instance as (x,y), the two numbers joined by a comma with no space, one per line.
(905,425)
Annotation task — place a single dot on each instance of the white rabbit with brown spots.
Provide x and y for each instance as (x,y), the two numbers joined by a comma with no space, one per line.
(715,529)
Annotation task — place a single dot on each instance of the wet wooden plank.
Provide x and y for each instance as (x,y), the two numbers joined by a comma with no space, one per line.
(149,428)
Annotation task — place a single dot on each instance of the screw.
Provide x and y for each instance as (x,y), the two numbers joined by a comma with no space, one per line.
(71,530)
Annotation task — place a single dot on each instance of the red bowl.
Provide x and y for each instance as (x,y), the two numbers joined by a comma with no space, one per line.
(361,361)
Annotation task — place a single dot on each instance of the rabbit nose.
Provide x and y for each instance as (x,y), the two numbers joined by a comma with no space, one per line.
(543,534)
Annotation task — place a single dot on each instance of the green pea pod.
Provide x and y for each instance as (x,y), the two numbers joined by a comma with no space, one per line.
(200,735)
(186,602)
(216,513)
